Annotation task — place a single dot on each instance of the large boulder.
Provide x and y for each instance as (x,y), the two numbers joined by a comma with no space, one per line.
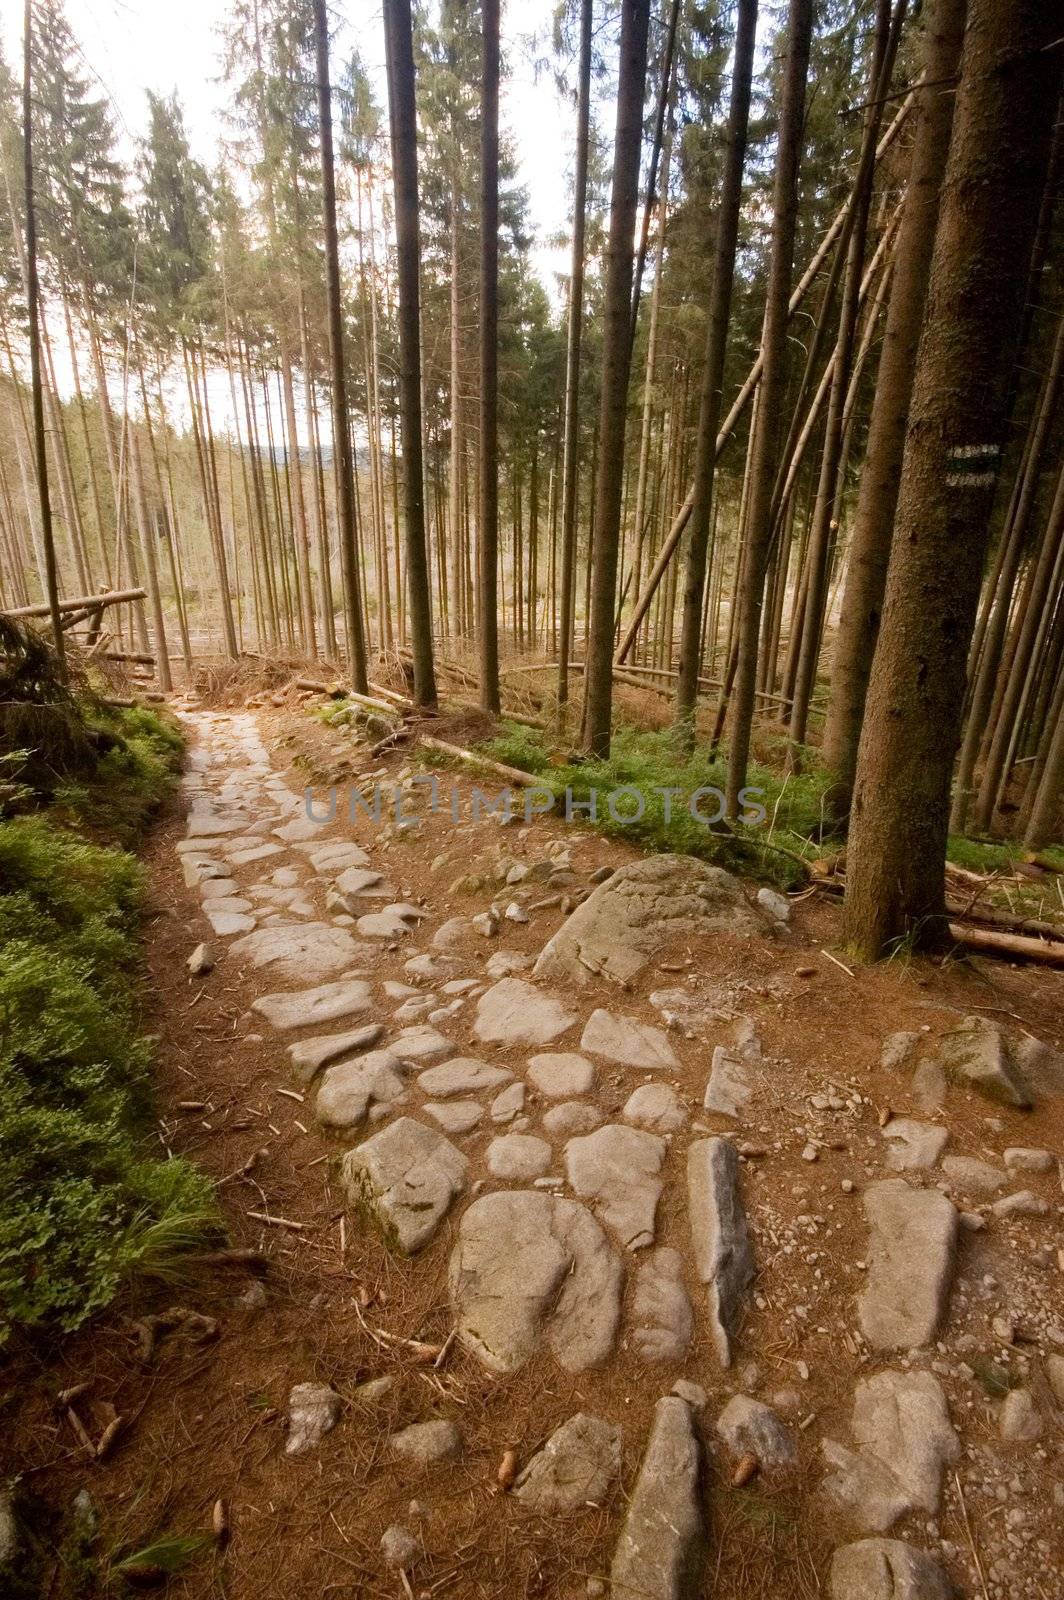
(627,919)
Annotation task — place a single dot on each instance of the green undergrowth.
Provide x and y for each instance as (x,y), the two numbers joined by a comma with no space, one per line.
(794,827)
(84,1200)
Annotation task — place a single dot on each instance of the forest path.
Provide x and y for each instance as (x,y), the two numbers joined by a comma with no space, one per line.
(548,1213)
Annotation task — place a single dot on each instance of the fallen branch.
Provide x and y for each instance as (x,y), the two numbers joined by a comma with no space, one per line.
(526,780)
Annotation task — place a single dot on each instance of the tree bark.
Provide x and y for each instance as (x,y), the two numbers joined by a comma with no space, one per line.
(989,210)
(489,360)
(713,374)
(343,467)
(616,362)
(765,452)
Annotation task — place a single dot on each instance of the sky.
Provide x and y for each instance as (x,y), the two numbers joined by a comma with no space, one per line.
(162,45)
(131,46)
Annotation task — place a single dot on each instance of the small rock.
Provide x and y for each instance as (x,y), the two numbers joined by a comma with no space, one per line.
(887,1569)
(657,1107)
(399,1547)
(578,1465)
(464,1075)
(201,961)
(508,1103)
(518,1157)
(661,1310)
(561,1077)
(729,1088)
(374,1390)
(693,1393)
(571,1117)
(914,1146)
(454,1116)
(777,905)
(1023,1204)
(897,1048)
(969,1175)
(1018,1159)
(313,1411)
(1020,1421)
(423,1444)
(746,1425)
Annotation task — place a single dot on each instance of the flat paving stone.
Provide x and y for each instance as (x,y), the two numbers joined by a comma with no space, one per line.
(348,1091)
(720,1236)
(306,1008)
(910,1264)
(730,1088)
(914,1146)
(299,951)
(310,1055)
(422,1043)
(657,1107)
(627,1042)
(616,1168)
(454,1116)
(578,1466)
(514,1012)
(562,1076)
(572,1117)
(904,1440)
(518,1157)
(407,1177)
(887,1569)
(530,1268)
(463,1075)
(662,1319)
(658,1554)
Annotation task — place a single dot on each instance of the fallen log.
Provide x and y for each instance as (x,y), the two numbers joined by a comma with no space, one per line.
(1047,952)
(90,602)
(127,655)
(526,780)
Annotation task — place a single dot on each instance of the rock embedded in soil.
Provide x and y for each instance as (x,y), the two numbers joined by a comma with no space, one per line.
(1020,1421)
(423,1444)
(305,1008)
(730,1088)
(657,1107)
(659,1551)
(518,1157)
(777,905)
(562,1076)
(299,952)
(641,907)
(720,1237)
(910,1264)
(616,1168)
(531,1268)
(897,1048)
(454,1116)
(969,1175)
(421,1043)
(313,1411)
(904,1442)
(227,924)
(407,1176)
(1021,1204)
(463,1075)
(334,856)
(627,1042)
(310,1055)
(504,963)
(887,1569)
(913,1146)
(1020,1159)
(513,1012)
(572,1117)
(662,1319)
(578,1465)
(977,1052)
(508,1103)
(749,1427)
(348,1091)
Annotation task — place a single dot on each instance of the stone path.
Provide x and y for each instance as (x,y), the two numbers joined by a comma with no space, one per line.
(578,1231)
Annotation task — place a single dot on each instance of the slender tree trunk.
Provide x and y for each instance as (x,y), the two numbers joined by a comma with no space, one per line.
(766,446)
(571,445)
(989,210)
(881,471)
(151,567)
(343,468)
(616,363)
(713,372)
(33,306)
(489,359)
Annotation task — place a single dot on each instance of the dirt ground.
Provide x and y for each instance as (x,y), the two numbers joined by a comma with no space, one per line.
(204,1420)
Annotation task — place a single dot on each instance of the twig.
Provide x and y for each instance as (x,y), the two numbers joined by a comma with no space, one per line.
(278,1222)
(838,963)
(971,1536)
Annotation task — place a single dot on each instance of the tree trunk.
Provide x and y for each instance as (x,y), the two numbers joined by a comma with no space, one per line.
(343,469)
(988,214)
(765,452)
(881,471)
(616,362)
(489,359)
(713,374)
(570,448)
